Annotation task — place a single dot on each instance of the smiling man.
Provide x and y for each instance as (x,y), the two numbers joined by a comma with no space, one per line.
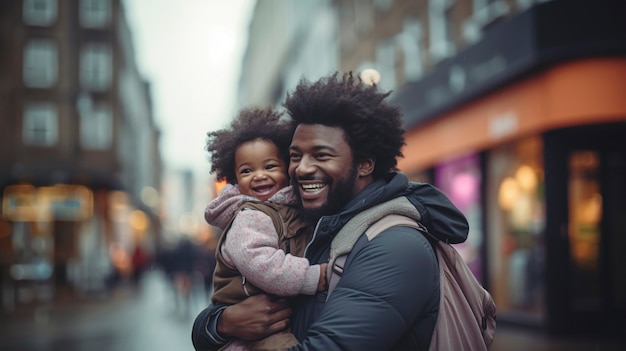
(343,159)
(320,165)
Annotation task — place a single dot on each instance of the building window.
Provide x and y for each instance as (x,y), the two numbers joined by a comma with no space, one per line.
(516,217)
(40,63)
(94,13)
(39,12)
(486,12)
(363,18)
(386,63)
(95,67)
(40,127)
(411,41)
(96,127)
(441,29)
(461,180)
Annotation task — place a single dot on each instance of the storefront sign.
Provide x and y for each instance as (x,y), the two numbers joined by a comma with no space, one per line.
(518,46)
(19,203)
(25,203)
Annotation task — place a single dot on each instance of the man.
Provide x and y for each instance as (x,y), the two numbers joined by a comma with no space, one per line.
(343,158)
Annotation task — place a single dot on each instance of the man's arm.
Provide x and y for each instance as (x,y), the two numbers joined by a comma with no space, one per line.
(254,318)
(389,284)
(204,334)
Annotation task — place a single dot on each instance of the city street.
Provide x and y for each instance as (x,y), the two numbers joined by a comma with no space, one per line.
(147,318)
(152,318)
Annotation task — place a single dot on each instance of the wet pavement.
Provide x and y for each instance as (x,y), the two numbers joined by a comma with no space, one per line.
(510,338)
(148,317)
(153,318)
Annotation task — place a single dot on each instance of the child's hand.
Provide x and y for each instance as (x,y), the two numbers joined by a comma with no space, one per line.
(322,284)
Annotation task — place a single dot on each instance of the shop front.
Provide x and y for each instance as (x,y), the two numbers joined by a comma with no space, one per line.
(539,169)
(526,132)
(586,222)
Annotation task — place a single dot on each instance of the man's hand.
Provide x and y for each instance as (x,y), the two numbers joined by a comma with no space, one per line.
(254,318)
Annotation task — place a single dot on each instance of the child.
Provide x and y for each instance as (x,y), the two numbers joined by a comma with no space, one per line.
(256,211)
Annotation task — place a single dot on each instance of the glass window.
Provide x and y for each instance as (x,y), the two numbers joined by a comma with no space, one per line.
(386,63)
(40,63)
(585,214)
(96,128)
(440,29)
(40,125)
(461,180)
(95,67)
(516,226)
(363,17)
(94,13)
(411,41)
(39,12)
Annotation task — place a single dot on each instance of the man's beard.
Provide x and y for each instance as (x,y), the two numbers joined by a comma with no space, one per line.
(339,195)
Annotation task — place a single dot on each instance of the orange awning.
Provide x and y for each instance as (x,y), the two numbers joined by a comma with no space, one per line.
(575,93)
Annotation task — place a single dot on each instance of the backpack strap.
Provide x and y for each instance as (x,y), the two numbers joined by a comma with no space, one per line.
(352,231)
(392,220)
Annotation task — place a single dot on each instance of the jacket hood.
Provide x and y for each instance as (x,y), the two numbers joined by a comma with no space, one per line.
(379,191)
(438,214)
(221,210)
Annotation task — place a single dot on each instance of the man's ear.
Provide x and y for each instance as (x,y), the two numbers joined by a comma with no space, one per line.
(366,167)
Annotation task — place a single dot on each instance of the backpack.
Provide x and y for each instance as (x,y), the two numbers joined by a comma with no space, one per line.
(467,312)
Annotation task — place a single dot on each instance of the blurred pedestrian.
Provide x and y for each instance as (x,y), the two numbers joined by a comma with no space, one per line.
(205,263)
(140,261)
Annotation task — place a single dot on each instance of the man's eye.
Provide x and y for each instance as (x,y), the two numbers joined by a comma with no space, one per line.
(294,157)
(322,155)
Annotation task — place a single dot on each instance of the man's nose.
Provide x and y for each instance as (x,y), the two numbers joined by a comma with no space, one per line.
(305,166)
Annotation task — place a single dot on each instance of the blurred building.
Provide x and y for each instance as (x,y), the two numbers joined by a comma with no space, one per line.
(303,44)
(516,109)
(80,169)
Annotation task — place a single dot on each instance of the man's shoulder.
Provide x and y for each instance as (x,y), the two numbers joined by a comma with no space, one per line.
(402,235)
(397,241)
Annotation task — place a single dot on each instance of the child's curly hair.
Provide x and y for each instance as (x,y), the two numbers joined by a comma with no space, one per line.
(373,128)
(250,124)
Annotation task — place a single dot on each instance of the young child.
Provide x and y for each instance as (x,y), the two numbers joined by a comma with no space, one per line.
(262,234)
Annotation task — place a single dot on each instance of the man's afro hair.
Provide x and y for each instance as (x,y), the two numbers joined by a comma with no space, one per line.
(373,127)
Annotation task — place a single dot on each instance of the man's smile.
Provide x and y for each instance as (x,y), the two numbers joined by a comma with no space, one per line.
(313,187)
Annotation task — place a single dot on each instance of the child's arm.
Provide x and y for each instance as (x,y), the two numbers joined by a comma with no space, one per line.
(251,246)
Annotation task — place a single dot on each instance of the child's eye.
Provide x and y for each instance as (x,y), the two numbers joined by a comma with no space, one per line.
(270,167)
(245,171)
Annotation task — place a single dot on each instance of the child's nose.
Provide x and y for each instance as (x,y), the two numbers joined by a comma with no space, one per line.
(260,175)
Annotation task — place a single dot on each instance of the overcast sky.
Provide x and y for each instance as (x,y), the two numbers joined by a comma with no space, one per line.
(190,51)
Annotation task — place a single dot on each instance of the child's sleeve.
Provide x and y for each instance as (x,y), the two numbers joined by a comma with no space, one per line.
(251,246)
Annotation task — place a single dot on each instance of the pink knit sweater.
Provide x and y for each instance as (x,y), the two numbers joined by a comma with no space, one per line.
(251,245)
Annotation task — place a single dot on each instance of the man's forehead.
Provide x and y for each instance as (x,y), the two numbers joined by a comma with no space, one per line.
(318,135)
